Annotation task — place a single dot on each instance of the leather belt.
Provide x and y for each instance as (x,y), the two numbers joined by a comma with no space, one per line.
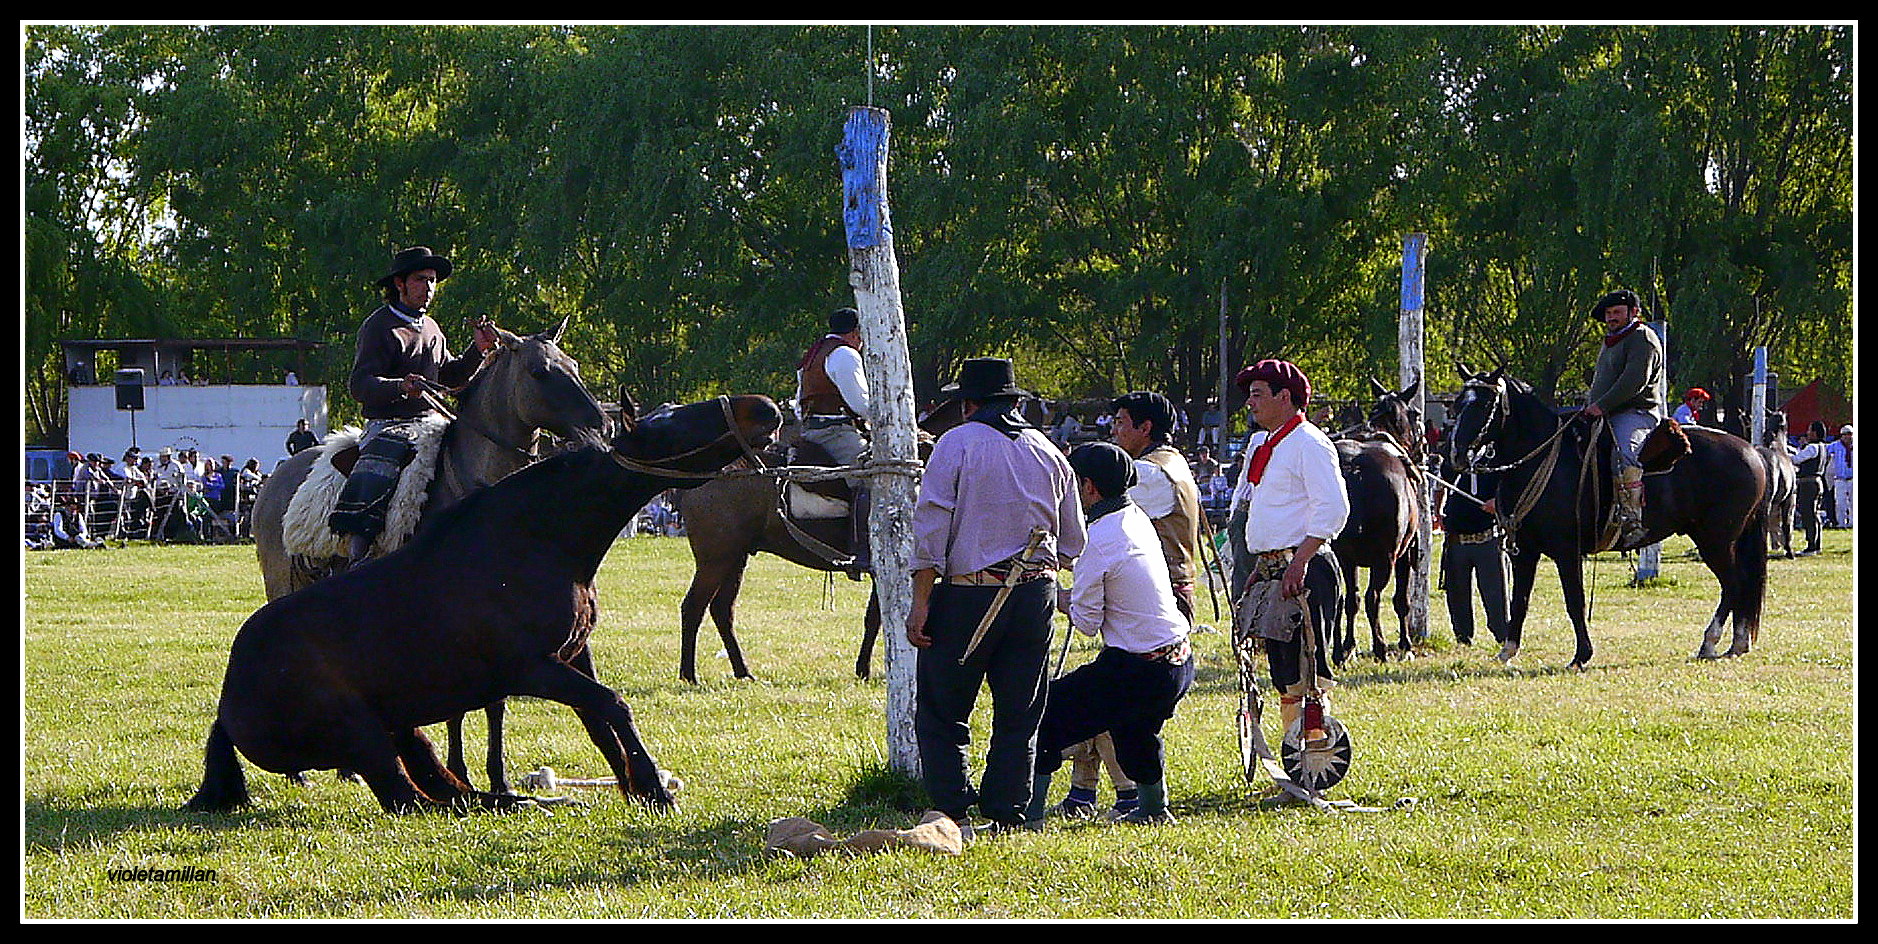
(1174,653)
(1480,537)
(995,576)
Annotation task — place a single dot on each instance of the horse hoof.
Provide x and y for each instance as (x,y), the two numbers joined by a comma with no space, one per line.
(1578,667)
(1706,654)
(1507,652)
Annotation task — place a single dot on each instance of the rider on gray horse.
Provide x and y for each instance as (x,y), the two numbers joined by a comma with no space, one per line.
(401,350)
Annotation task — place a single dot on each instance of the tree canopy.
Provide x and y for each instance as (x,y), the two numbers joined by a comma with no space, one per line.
(1084,199)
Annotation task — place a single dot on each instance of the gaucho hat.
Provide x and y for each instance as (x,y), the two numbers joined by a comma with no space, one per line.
(411,260)
(984,378)
(1622,296)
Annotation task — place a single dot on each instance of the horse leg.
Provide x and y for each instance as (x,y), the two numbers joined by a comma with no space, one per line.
(864,663)
(723,614)
(1345,636)
(421,764)
(1571,580)
(456,763)
(1404,571)
(1372,609)
(493,762)
(706,583)
(609,725)
(1525,567)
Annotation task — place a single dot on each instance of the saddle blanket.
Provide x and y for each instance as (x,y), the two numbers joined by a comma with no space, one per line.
(304,531)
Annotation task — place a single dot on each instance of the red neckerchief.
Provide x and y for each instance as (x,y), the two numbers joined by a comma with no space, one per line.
(1621,333)
(1255,470)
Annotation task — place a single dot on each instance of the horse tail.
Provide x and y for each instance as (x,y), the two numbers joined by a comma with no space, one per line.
(224,786)
(1751,571)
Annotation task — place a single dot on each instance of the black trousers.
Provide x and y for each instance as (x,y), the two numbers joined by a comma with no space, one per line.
(1464,566)
(1012,660)
(1123,694)
(1809,508)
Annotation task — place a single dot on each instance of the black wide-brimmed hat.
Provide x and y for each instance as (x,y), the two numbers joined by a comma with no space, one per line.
(984,378)
(410,260)
(1622,296)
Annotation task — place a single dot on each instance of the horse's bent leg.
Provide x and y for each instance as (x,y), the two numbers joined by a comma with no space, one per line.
(870,630)
(1571,580)
(724,615)
(493,762)
(609,724)
(421,764)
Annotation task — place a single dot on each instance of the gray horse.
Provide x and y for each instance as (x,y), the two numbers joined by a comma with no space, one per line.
(527,384)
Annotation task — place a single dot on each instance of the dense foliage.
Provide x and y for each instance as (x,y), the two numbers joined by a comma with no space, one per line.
(1087,199)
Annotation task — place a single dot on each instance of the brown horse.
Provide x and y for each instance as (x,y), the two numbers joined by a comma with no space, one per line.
(1383,532)
(494,598)
(729,520)
(1715,494)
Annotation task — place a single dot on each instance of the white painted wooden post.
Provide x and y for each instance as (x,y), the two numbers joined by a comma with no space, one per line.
(875,276)
(1650,556)
(1410,371)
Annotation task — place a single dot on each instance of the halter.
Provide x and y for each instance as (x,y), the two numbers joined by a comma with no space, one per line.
(662,466)
(430,389)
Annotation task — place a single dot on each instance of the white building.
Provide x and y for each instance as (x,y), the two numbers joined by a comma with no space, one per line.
(245,411)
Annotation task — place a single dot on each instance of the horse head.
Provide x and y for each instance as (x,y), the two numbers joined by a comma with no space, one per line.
(529,383)
(1776,428)
(1479,414)
(695,438)
(1395,413)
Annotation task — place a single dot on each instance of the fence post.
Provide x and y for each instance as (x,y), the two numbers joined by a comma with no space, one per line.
(1409,371)
(875,276)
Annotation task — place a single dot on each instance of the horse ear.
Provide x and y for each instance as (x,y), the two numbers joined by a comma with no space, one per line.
(1466,372)
(628,407)
(1377,388)
(1497,373)
(559,330)
(1408,392)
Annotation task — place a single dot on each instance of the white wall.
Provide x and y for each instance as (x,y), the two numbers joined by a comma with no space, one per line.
(250,420)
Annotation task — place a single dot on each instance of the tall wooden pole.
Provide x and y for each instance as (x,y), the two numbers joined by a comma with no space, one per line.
(1410,371)
(875,276)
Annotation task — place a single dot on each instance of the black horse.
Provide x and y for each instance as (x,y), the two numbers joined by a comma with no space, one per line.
(1713,494)
(1383,532)
(495,597)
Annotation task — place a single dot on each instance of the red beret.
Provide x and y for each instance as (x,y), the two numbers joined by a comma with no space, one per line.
(1278,375)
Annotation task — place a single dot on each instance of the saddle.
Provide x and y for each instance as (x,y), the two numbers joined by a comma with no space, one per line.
(304,531)
(1665,446)
(815,501)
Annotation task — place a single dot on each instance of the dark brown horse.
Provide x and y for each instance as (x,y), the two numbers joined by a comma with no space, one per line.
(495,597)
(1714,494)
(729,520)
(1383,532)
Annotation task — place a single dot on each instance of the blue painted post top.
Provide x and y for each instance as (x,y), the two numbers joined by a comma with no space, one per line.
(1412,248)
(1760,365)
(862,153)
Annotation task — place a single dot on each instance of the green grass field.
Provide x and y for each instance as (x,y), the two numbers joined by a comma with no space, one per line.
(1650,786)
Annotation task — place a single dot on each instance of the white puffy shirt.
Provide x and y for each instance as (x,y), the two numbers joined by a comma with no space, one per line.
(1122,589)
(1301,494)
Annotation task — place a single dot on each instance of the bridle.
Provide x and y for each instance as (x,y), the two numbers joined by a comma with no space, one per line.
(662,467)
(431,391)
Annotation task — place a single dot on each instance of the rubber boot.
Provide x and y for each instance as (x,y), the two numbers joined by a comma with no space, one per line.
(1039,806)
(1153,808)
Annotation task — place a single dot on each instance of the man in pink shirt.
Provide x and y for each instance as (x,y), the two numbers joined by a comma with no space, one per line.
(997,509)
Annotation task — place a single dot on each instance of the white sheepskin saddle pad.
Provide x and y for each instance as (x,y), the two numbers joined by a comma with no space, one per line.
(304,531)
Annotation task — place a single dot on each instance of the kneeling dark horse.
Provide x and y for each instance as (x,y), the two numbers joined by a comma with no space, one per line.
(1713,493)
(493,598)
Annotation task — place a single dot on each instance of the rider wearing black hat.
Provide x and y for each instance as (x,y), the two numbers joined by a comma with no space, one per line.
(400,350)
(1627,390)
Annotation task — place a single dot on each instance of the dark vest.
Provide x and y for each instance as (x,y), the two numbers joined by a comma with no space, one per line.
(820,396)
(1814,467)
